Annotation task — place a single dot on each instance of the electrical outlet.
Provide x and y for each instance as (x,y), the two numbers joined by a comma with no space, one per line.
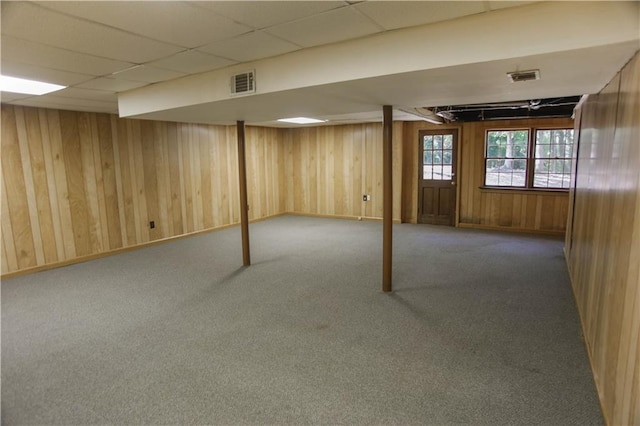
(152,224)
(364,198)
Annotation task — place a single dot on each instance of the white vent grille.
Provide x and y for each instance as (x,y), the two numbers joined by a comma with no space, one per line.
(243,83)
(518,76)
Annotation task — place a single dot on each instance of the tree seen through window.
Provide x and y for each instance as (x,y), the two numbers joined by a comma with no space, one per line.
(514,159)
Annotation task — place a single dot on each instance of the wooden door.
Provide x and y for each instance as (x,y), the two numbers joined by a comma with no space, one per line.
(437,180)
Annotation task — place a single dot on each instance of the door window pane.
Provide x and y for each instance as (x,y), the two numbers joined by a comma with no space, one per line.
(447,155)
(448,142)
(428,142)
(428,157)
(437,142)
(438,151)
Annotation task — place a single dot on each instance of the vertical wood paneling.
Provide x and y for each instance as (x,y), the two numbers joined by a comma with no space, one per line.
(102,222)
(41,185)
(165,202)
(358,171)
(109,183)
(186,173)
(136,169)
(61,192)
(334,166)
(129,197)
(149,179)
(9,253)
(603,243)
(79,184)
(196,181)
(205,176)
(175,178)
(90,187)
(32,208)
(517,210)
(70,138)
(222,176)
(398,132)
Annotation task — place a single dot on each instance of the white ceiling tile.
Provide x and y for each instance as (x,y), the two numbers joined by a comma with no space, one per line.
(263,14)
(28,52)
(147,74)
(34,72)
(251,46)
(111,84)
(329,27)
(192,61)
(92,94)
(30,22)
(8,96)
(173,22)
(495,5)
(399,14)
(51,101)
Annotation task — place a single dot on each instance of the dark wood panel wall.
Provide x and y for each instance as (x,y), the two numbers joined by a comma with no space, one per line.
(80,184)
(603,243)
(532,211)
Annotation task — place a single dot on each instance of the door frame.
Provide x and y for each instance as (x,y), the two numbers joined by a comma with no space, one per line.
(457,132)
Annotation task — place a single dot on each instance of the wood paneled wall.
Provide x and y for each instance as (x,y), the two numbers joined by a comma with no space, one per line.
(330,168)
(603,245)
(518,210)
(79,184)
(536,211)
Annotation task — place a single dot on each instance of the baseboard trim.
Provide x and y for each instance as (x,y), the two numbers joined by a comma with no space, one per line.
(338,216)
(119,250)
(112,252)
(509,229)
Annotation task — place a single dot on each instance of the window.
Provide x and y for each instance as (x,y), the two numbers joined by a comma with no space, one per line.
(528,158)
(438,156)
(506,158)
(553,150)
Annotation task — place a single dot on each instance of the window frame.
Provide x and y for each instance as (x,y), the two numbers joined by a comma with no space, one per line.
(530,159)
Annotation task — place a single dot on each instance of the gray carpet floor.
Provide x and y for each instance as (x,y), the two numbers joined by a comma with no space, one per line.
(481,329)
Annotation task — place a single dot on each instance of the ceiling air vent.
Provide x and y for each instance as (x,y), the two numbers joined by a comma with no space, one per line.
(518,76)
(243,83)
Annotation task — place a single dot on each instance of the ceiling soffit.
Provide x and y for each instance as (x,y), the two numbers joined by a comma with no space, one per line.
(434,50)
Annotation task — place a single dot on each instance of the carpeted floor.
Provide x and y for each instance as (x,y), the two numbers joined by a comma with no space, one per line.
(481,329)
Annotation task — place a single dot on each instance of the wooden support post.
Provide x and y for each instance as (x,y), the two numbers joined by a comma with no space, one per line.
(387,197)
(244,208)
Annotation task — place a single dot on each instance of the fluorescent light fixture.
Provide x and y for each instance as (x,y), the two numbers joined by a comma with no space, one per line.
(301,120)
(28,87)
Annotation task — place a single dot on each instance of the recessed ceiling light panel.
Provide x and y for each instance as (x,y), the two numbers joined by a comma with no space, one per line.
(301,120)
(28,87)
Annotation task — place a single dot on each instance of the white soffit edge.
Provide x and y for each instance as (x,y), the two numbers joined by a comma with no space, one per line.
(494,36)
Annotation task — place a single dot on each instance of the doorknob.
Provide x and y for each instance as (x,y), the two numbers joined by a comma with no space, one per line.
(453,182)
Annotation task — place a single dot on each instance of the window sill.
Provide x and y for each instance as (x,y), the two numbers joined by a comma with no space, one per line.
(528,191)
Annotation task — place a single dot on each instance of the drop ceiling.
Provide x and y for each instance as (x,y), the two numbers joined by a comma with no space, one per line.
(102,49)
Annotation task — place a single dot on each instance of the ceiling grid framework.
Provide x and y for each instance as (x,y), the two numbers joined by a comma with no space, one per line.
(102,49)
